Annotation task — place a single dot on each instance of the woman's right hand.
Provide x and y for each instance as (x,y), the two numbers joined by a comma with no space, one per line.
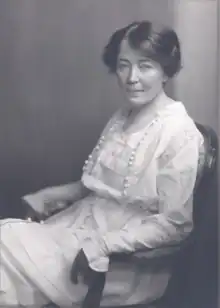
(48,200)
(55,199)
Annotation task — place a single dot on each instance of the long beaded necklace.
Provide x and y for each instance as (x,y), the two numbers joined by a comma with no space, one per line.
(91,161)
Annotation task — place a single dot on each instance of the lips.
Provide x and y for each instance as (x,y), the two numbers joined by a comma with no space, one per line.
(134,91)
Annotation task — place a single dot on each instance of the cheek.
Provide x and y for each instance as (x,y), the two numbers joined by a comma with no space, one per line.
(121,77)
(152,80)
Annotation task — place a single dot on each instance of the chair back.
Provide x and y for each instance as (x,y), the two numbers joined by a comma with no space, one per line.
(205,221)
(207,169)
(208,154)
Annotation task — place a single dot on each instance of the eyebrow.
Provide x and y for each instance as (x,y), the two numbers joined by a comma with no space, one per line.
(145,60)
(123,59)
(141,60)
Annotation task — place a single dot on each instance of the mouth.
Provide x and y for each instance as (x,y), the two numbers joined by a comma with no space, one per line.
(134,91)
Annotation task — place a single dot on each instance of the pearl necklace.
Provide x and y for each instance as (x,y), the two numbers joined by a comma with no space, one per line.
(98,148)
(90,161)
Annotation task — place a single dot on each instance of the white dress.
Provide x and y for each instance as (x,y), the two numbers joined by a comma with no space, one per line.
(141,196)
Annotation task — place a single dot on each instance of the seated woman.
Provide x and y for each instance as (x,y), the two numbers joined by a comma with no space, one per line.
(135,191)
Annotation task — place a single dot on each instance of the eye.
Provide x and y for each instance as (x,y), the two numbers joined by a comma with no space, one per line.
(145,66)
(122,65)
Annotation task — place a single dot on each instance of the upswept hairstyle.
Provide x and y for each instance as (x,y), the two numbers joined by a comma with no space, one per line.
(156,42)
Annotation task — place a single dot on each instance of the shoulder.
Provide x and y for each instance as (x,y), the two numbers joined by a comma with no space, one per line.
(175,121)
(178,128)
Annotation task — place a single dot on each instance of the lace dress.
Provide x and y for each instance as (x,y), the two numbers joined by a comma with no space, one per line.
(141,186)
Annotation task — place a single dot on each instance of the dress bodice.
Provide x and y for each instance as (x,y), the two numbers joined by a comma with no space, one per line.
(125,165)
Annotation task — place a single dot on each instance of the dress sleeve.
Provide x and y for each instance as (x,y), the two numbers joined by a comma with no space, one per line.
(175,183)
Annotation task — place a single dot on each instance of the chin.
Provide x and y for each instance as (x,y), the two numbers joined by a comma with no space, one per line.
(135,102)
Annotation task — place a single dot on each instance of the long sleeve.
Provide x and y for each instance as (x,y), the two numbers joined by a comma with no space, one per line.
(175,184)
(173,222)
(59,196)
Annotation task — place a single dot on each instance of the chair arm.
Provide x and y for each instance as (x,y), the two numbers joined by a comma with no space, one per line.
(147,254)
(138,256)
(158,252)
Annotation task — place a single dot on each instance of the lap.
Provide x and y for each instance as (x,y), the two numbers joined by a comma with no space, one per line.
(36,253)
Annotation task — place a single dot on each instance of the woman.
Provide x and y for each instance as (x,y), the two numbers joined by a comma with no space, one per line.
(135,191)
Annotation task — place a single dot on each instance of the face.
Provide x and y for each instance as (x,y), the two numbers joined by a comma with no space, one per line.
(140,78)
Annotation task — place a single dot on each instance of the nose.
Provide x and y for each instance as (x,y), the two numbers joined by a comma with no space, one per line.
(133,75)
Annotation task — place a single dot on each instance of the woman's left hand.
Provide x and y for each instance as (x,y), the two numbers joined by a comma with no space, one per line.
(93,279)
(82,269)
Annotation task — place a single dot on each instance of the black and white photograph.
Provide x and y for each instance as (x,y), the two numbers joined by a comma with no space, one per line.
(109,133)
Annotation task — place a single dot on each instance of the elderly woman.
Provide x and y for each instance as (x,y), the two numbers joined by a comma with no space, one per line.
(135,191)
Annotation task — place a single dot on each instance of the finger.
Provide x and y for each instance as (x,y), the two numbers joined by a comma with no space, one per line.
(60,205)
(38,216)
(49,208)
(52,207)
(32,216)
(29,212)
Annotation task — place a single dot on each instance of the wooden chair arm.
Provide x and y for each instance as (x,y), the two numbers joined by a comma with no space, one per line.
(146,254)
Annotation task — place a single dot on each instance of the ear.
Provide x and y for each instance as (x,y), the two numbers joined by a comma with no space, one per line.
(165,78)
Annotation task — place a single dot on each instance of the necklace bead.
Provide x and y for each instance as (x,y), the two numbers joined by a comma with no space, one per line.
(98,147)
(131,159)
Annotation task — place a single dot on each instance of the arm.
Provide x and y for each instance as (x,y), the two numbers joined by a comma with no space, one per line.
(175,184)
(73,191)
(54,198)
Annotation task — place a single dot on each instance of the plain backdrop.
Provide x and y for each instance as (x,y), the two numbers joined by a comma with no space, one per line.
(56,96)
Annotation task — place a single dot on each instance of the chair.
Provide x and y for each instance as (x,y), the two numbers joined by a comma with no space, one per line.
(178,281)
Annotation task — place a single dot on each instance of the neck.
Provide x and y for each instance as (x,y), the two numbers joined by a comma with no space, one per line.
(160,101)
(140,115)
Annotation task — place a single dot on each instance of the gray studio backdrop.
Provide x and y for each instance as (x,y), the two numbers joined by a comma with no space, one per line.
(55,93)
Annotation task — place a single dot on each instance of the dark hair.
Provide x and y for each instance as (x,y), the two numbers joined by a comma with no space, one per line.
(154,41)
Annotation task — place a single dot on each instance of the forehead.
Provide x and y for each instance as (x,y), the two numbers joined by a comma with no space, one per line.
(127,52)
